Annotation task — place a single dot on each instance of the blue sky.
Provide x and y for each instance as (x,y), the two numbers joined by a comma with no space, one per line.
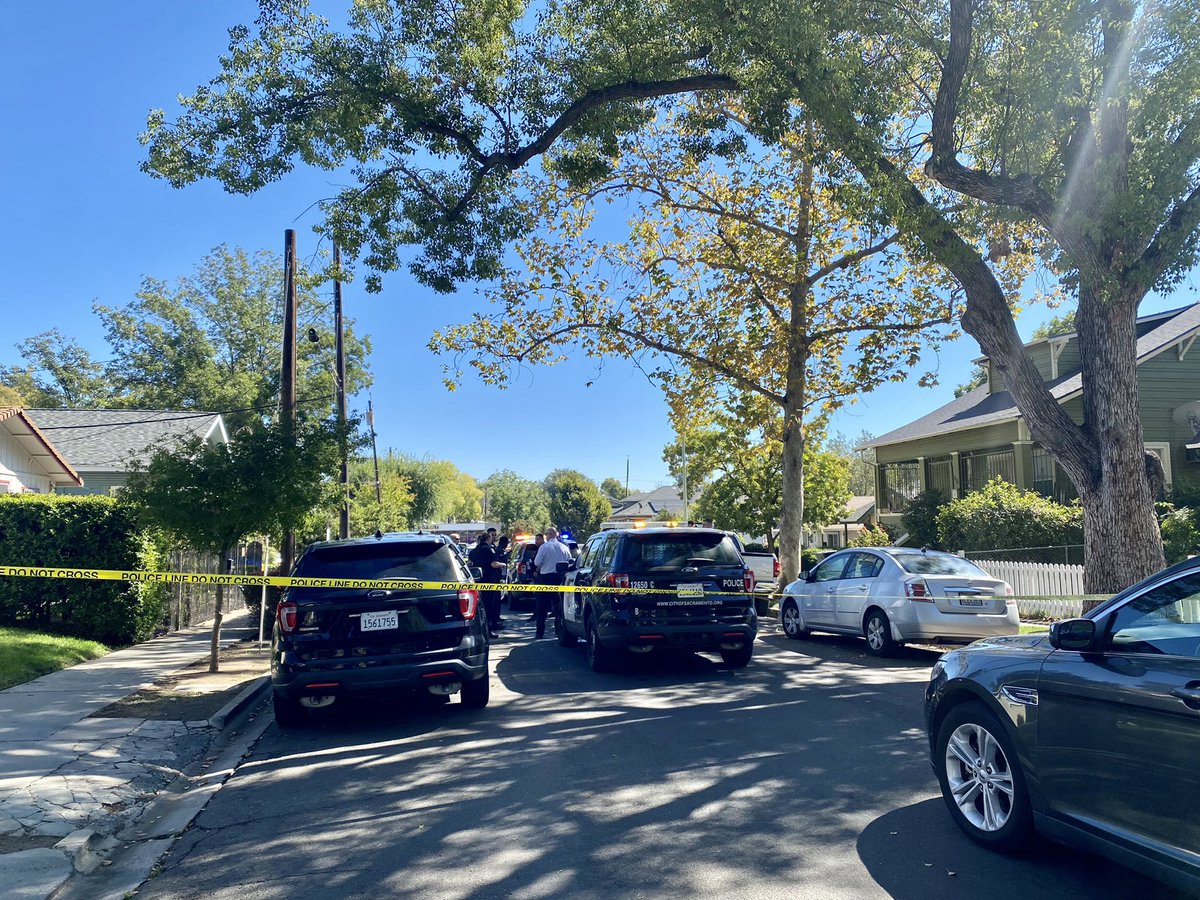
(82,224)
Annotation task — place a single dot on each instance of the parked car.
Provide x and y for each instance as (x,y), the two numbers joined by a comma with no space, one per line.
(710,607)
(1088,734)
(891,595)
(331,642)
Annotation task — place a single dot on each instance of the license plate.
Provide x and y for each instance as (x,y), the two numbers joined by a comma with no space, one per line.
(689,590)
(379,621)
(970,601)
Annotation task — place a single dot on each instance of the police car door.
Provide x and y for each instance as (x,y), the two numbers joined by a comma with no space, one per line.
(583,576)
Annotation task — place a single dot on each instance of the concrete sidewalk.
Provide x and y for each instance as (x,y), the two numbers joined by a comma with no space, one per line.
(65,774)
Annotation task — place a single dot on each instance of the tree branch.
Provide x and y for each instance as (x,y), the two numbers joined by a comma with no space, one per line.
(851,258)
(1170,240)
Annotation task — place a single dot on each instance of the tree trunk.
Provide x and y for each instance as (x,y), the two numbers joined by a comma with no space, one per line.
(1122,540)
(214,652)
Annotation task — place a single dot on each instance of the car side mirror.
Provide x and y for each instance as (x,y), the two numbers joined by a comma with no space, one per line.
(805,576)
(476,572)
(1073,634)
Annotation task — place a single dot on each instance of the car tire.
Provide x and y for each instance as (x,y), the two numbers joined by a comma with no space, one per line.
(969,736)
(789,618)
(599,657)
(475,694)
(288,713)
(878,632)
(739,658)
(565,638)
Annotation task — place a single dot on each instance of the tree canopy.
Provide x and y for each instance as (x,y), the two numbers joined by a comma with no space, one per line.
(576,503)
(209,341)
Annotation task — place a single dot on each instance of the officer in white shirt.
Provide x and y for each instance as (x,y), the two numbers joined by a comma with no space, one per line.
(549,555)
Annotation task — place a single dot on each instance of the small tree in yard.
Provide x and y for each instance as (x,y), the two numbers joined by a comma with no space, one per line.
(212,496)
(1002,516)
(871,536)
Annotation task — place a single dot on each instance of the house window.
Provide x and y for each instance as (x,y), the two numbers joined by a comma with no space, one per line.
(1044,472)
(939,476)
(901,482)
(981,466)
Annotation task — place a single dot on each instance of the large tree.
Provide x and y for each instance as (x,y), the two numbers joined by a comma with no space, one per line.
(762,271)
(512,500)
(1073,125)
(576,503)
(210,340)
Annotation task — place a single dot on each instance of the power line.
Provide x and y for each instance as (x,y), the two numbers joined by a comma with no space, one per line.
(178,418)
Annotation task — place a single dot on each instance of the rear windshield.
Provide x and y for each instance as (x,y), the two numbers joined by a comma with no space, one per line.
(424,560)
(664,552)
(931,564)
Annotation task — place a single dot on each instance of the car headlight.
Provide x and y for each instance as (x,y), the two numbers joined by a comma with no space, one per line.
(938,668)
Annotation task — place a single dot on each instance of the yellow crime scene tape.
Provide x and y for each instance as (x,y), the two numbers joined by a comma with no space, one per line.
(285,581)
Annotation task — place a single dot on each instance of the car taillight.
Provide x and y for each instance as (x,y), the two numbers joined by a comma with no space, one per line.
(287,614)
(748,580)
(775,568)
(917,590)
(618,581)
(468,603)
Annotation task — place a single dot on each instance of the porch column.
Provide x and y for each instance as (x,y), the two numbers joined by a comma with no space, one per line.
(955,476)
(1023,464)
(922,481)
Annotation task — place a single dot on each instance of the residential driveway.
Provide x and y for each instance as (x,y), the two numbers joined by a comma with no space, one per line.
(804,775)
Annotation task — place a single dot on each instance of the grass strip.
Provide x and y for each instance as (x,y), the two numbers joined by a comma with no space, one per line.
(26,655)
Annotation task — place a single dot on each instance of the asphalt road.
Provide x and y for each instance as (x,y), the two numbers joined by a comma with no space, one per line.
(804,775)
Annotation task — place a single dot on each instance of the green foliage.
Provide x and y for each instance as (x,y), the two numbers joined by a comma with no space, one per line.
(810,556)
(920,520)
(871,537)
(78,532)
(1181,537)
(1002,516)
(26,655)
(576,503)
(614,488)
(977,378)
(860,462)
(513,500)
(1055,325)
(266,481)
(210,341)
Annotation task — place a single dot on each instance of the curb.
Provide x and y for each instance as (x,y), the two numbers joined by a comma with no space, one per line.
(246,698)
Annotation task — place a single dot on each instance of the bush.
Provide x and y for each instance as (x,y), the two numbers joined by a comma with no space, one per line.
(1002,516)
(871,537)
(80,533)
(756,548)
(810,556)
(920,519)
(1180,535)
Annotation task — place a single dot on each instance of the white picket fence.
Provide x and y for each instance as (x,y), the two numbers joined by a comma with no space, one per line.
(1044,590)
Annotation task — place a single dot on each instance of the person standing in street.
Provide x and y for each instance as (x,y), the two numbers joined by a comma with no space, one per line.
(549,555)
(483,556)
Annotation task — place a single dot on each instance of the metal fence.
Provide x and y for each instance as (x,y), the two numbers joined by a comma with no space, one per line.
(192,604)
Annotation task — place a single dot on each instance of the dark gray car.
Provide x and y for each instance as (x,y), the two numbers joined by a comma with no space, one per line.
(1089,734)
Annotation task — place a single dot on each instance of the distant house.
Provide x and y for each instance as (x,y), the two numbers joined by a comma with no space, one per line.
(647,506)
(981,435)
(102,444)
(860,515)
(29,462)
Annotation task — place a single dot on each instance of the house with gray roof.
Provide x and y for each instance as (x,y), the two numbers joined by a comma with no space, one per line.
(102,445)
(981,435)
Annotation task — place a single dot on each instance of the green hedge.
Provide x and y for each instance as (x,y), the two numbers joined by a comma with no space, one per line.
(1002,516)
(77,532)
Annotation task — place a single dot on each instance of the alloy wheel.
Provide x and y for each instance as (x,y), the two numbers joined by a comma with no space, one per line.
(791,620)
(875,633)
(979,777)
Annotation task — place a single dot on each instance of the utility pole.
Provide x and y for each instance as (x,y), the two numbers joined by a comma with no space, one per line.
(374,452)
(338,327)
(287,382)
(627,475)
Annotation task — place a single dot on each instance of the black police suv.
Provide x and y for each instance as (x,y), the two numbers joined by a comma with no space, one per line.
(330,642)
(707,604)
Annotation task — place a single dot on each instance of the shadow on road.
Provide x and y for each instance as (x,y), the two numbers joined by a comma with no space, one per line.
(917,853)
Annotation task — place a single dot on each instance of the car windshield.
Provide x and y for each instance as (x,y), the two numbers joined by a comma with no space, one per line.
(937,564)
(662,552)
(424,560)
